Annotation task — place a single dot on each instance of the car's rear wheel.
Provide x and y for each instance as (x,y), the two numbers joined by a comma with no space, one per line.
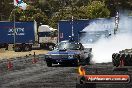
(50,47)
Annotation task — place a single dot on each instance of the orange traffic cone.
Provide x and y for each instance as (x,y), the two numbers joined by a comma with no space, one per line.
(34,60)
(9,65)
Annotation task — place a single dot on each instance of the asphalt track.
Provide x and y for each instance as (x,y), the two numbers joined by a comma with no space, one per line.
(26,74)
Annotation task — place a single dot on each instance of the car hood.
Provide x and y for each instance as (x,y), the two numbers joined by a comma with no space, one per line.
(69,52)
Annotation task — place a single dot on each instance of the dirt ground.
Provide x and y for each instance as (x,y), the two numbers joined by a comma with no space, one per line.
(12,54)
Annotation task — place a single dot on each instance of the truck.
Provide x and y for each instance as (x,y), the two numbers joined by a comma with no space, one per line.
(69,52)
(22,35)
(48,36)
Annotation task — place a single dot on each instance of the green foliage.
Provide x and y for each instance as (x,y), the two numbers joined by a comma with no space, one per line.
(51,11)
(97,9)
(5,9)
(30,14)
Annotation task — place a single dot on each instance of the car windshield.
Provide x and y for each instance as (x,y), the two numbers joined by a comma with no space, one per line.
(67,45)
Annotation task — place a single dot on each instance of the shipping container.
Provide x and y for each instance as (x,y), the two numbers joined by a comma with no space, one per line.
(65,28)
(21,34)
(24,32)
(89,29)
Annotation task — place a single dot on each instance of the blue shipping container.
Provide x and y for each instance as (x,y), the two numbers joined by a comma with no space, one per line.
(65,28)
(82,26)
(24,32)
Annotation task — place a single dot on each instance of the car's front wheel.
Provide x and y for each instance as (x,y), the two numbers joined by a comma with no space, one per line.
(76,63)
(49,64)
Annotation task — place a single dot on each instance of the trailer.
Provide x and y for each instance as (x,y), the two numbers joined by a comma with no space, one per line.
(85,30)
(22,35)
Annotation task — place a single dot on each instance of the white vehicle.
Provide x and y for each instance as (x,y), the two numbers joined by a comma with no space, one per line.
(47,36)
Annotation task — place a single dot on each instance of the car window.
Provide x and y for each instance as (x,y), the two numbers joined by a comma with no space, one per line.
(67,45)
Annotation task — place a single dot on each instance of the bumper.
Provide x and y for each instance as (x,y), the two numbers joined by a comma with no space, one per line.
(66,60)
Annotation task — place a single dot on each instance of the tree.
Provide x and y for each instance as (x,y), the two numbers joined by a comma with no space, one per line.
(30,14)
(5,9)
(118,5)
(49,6)
(97,9)
(67,9)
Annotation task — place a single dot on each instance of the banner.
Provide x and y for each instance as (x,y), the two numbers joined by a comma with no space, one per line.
(20,4)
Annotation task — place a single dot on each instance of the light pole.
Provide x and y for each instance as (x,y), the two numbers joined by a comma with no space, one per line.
(72,20)
(116,17)
(14,30)
(14,25)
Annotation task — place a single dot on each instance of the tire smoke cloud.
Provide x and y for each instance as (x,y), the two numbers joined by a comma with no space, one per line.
(105,46)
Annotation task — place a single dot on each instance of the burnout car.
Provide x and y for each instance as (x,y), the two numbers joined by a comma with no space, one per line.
(67,52)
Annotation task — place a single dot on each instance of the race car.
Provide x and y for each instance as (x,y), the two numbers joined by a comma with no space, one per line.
(68,52)
(124,58)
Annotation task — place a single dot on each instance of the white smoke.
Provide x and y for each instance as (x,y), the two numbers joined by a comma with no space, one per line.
(103,49)
(100,24)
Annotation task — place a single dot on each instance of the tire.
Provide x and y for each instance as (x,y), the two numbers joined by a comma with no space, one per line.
(127,60)
(17,49)
(131,59)
(116,60)
(27,48)
(113,59)
(50,47)
(87,61)
(76,63)
(122,60)
(88,85)
(49,64)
